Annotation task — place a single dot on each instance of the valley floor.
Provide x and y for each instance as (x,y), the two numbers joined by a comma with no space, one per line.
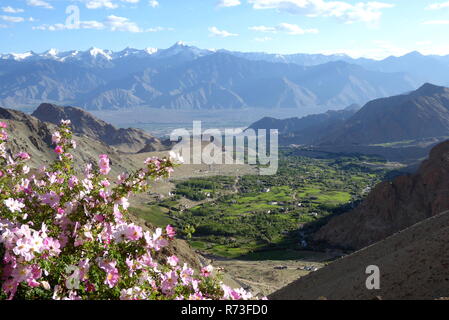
(263,277)
(258,228)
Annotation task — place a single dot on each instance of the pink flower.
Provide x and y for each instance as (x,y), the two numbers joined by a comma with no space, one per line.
(156,241)
(169,281)
(99,217)
(133,232)
(59,150)
(186,274)
(53,246)
(153,161)
(14,205)
(173,261)
(104,163)
(52,199)
(196,296)
(207,271)
(73,181)
(112,274)
(56,137)
(10,287)
(23,156)
(3,125)
(170,231)
(105,183)
(3,135)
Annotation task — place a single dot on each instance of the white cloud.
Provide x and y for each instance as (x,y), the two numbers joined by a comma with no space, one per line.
(2,26)
(264,39)
(263,29)
(97,4)
(107,4)
(153,3)
(215,32)
(228,3)
(369,12)
(9,9)
(111,23)
(39,3)
(82,25)
(294,29)
(116,23)
(438,6)
(288,28)
(436,22)
(159,29)
(12,19)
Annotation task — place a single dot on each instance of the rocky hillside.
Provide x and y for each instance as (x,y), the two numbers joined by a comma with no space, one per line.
(30,134)
(420,114)
(394,206)
(413,264)
(85,124)
(306,130)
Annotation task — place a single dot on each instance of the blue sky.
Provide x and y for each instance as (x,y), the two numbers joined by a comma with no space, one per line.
(367,28)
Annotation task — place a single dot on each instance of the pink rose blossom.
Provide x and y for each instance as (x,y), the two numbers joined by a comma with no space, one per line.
(59,150)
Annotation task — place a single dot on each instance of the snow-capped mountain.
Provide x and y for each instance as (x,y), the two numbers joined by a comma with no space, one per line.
(184,76)
(180,50)
(93,53)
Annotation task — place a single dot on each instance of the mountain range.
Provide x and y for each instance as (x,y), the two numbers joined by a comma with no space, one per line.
(418,118)
(308,129)
(186,77)
(423,113)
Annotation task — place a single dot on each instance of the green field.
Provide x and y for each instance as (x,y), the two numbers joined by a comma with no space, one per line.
(254,216)
(156,215)
(264,216)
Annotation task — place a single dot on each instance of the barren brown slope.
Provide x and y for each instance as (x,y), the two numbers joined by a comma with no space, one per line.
(394,206)
(423,113)
(27,133)
(85,124)
(414,264)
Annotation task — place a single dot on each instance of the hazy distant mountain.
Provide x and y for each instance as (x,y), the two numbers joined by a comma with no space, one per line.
(84,124)
(434,69)
(420,114)
(430,68)
(191,78)
(306,130)
(302,59)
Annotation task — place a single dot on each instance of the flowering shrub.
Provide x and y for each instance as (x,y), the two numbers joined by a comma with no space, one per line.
(67,235)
